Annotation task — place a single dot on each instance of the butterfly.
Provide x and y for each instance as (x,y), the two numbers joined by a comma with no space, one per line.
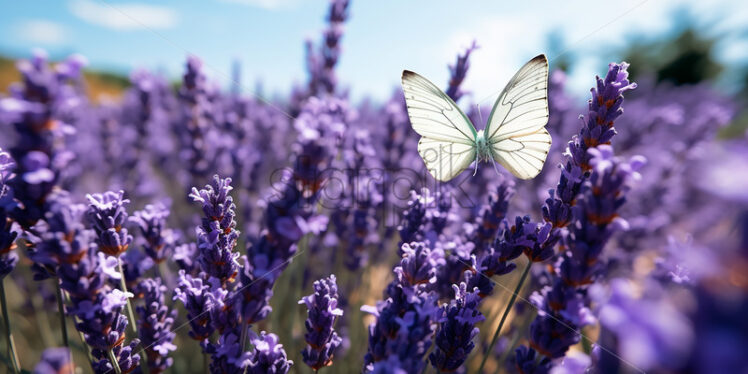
(515,134)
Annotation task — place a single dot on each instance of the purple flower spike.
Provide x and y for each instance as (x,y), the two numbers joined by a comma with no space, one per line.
(127,359)
(458,71)
(256,291)
(321,64)
(158,240)
(527,362)
(321,338)
(268,356)
(155,324)
(228,355)
(107,216)
(217,235)
(604,109)
(493,214)
(8,234)
(55,361)
(414,217)
(418,266)
(544,239)
(454,340)
(195,296)
(405,318)
(39,109)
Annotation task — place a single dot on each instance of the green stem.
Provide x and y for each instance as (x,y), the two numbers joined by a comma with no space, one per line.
(8,335)
(86,347)
(113,360)
(517,336)
(39,311)
(123,284)
(144,360)
(80,334)
(243,339)
(61,310)
(503,316)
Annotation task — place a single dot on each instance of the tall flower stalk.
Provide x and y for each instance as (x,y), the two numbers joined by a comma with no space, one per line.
(8,256)
(321,338)
(107,216)
(584,206)
(405,317)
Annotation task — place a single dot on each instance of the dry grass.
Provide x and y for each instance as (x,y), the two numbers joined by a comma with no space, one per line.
(98,84)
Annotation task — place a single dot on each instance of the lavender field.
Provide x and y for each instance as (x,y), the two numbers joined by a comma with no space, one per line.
(184,227)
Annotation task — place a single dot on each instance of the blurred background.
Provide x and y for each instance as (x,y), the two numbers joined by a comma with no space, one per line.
(175,91)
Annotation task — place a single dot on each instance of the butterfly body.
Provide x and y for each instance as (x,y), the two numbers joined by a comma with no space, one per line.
(483,150)
(515,134)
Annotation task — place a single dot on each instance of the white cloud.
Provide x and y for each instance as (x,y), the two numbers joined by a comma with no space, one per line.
(265,4)
(127,16)
(42,32)
(505,44)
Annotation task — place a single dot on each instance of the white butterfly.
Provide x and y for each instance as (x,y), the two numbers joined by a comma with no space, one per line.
(515,134)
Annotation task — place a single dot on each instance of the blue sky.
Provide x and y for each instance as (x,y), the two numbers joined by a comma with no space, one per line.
(381,39)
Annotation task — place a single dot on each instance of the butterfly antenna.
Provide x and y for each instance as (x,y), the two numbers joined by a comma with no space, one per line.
(476,167)
(480,115)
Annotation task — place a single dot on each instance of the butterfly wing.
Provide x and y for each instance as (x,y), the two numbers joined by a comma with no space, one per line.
(445,160)
(448,138)
(515,132)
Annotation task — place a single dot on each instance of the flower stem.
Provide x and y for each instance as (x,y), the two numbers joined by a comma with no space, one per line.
(506,313)
(63,325)
(243,339)
(113,360)
(61,310)
(8,335)
(85,345)
(243,342)
(123,284)
(522,331)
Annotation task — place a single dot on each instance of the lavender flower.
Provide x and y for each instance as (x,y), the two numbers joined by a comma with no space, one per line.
(64,239)
(155,325)
(604,109)
(321,338)
(268,356)
(457,73)
(8,235)
(414,217)
(454,339)
(107,216)
(158,239)
(55,361)
(590,191)
(40,111)
(217,235)
(489,223)
(321,65)
(228,356)
(185,255)
(198,117)
(405,317)
(198,298)
(127,359)
(528,362)
(256,292)
(651,332)
(562,310)
(289,215)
